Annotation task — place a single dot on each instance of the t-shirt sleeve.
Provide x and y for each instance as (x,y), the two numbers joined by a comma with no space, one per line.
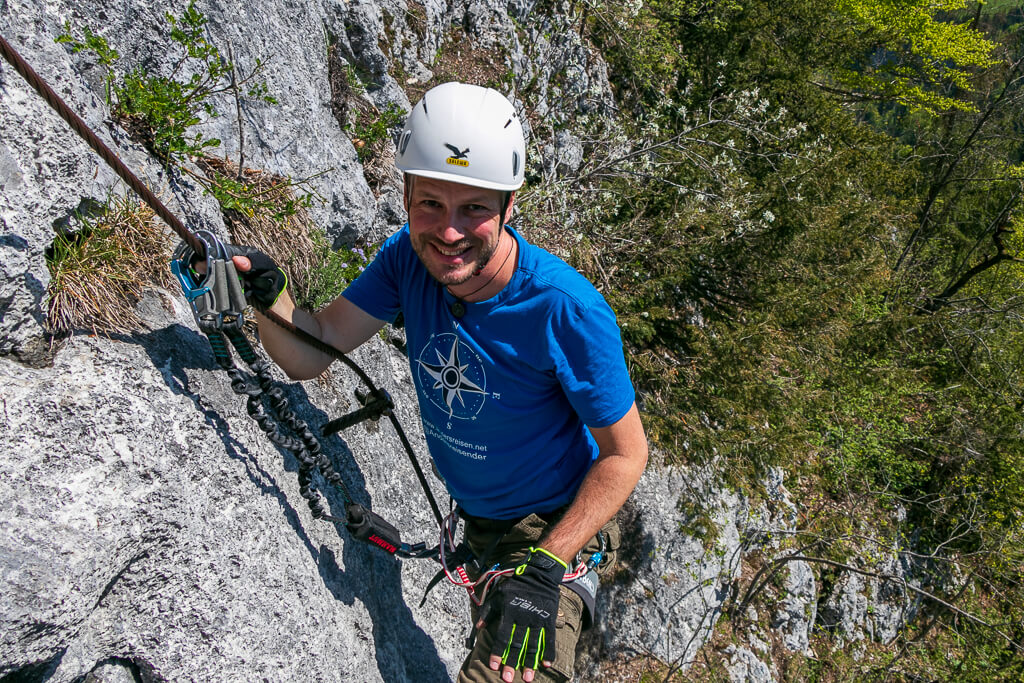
(591,368)
(376,291)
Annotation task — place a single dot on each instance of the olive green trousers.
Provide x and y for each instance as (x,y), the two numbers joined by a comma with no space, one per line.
(494,542)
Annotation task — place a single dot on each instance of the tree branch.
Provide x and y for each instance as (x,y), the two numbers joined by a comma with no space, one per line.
(936,303)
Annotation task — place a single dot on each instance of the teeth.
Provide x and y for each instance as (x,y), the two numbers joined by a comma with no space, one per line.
(452,252)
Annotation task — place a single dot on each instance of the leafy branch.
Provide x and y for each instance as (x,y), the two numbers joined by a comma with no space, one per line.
(161,111)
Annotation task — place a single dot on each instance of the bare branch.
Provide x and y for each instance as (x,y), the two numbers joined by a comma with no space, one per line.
(902,581)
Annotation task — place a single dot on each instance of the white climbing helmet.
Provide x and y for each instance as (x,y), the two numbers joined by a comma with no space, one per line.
(465,134)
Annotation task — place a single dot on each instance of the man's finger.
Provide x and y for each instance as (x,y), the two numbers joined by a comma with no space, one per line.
(242,263)
(495,662)
(533,649)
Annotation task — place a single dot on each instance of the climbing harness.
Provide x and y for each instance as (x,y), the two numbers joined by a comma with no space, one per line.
(218,305)
(454,558)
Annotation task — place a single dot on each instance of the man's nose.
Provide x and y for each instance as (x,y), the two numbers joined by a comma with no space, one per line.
(452,232)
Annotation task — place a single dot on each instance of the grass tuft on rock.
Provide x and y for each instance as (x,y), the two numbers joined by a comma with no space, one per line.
(270,212)
(101,266)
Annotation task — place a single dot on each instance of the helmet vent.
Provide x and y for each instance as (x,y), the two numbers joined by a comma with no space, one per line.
(405,142)
(515,164)
(507,123)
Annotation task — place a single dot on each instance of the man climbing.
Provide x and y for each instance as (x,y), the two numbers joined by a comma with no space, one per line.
(525,400)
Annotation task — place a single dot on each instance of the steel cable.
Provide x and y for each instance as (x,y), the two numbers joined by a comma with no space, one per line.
(79,126)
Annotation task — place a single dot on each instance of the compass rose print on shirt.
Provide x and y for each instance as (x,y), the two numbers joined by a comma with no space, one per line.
(452,375)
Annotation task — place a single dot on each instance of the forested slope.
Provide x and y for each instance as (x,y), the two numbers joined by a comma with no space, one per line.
(814,243)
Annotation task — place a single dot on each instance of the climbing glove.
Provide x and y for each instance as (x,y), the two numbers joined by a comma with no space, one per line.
(264,281)
(528,602)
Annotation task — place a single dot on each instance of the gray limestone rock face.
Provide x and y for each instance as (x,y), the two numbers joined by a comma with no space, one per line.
(798,608)
(860,607)
(677,583)
(38,155)
(114,671)
(152,525)
(745,667)
(564,155)
(845,610)
(46,172)
(892,605)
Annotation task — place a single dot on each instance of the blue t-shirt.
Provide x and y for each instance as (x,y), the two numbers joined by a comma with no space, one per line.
(506,390)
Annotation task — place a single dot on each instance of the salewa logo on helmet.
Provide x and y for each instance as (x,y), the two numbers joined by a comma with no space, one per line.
(458,157)
(523,603)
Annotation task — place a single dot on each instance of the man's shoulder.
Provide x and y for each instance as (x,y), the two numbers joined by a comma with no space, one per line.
(399,240)
(552,277)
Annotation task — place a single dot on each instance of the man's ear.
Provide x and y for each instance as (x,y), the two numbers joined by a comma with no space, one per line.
(508,208)
(407,190)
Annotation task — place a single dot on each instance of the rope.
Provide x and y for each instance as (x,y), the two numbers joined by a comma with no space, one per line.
(118,166)
(83,130)
(304,445)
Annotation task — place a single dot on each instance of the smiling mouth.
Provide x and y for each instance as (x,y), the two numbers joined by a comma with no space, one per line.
(451,252)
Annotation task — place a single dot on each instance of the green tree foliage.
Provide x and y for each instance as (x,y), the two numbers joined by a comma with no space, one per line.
(921,55)
(810,228)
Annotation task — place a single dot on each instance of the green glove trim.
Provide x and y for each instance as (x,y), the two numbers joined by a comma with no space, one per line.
(527,602)
(282,288)
(533,551)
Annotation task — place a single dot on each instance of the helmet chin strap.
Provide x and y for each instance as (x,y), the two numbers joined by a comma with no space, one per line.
(501,233)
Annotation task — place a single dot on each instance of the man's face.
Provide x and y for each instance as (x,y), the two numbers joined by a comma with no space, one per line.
(454,228)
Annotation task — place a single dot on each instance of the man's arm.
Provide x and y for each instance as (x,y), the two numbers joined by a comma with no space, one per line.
(342,324)
(620,462)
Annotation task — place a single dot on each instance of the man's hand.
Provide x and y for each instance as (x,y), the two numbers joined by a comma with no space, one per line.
(262,279)
(528,606)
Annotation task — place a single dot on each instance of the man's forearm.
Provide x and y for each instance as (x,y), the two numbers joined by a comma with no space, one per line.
(342,325)
(604,490)
(623,456)
(298,360)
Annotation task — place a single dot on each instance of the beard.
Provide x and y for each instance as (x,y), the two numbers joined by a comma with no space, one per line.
(453,275)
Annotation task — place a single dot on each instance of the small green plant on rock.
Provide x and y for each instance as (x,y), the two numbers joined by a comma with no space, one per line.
(270,212)
(373,127)
(161,110)
(335,270)
(106,56)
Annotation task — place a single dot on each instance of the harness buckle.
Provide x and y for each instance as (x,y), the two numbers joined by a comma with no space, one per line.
(366,525)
